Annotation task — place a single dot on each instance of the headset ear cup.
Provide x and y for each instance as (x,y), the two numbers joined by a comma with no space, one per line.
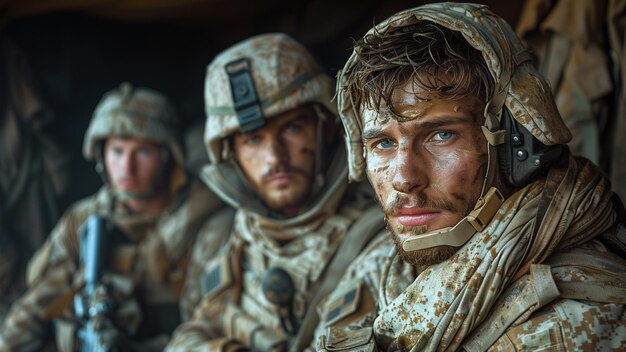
(524,158)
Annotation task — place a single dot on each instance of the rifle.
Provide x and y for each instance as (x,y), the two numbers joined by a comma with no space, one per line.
(93,305)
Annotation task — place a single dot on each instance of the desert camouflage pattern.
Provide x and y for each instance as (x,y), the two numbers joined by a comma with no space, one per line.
(231,308)
(148,271)
(551,252)
(134,112)
(529,281)
(234,311)
(518,85)
(285,76)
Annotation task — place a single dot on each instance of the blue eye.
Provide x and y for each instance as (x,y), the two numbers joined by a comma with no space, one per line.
(294,127)
(443,136)
(385,144)
(252,140)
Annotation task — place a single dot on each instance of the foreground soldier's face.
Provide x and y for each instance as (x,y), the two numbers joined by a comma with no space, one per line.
(132,165)
(426,164)
(278,160)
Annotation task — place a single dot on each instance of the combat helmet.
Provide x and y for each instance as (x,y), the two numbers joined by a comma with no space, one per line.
(251,82)
(134,112)
(521,104)
(139,113)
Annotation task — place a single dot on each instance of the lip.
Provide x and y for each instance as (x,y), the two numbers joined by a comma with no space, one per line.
(127,184)
(415,216)
(280,179)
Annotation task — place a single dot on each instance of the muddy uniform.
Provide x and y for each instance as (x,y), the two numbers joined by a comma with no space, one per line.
(545,271)
(261,291)
(557,304)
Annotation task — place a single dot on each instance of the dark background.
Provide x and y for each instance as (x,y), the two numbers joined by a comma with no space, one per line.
(80,51)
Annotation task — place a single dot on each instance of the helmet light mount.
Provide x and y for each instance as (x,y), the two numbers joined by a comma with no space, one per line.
(245,98)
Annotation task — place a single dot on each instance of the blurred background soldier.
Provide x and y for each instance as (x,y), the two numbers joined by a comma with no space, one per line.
(277,155)
(153,213)
(502,239)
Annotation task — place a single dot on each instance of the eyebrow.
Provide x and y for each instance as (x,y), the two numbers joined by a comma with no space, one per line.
(443,122)
(377,132)
(372,133)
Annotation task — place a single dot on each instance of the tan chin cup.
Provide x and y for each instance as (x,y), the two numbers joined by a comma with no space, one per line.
(456,236)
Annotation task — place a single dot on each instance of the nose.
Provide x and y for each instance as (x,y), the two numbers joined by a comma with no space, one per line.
(127,164)
(410,171)
(276,152)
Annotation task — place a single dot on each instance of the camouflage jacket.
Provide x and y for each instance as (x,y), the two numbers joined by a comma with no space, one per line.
(239,307)
(569,298)
(148,268)
(379,277)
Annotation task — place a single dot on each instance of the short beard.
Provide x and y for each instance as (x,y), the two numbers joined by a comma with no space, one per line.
(288,204)
(422,257)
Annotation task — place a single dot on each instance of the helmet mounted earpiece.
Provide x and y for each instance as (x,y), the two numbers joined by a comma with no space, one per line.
(523,158)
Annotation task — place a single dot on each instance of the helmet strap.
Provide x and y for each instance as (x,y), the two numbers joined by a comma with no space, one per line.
(485,208)
(318,181)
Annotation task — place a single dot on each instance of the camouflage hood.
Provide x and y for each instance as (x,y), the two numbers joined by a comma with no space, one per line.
(282,75)
(518,85)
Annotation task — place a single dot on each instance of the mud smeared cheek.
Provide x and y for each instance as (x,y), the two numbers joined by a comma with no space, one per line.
(380,179)
(380,170)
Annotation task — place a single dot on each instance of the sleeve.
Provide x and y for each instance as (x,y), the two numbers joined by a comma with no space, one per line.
(211,240)
(27,324)
(206,331)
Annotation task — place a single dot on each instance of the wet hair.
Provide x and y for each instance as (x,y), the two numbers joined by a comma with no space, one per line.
(439,60)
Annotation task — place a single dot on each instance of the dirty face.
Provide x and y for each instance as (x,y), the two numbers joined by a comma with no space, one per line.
(133,166)
(426,164)
(278,160)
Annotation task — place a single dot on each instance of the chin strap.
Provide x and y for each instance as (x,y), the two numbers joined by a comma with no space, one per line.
(486,207)
(320,149)
(484,210)
(490,200)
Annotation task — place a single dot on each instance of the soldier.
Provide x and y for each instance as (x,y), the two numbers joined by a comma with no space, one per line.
(276,155)
(157,212)
(502,240)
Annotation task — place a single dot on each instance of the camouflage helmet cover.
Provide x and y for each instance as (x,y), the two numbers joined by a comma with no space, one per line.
(518,85)
(134,112)
(284,74)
